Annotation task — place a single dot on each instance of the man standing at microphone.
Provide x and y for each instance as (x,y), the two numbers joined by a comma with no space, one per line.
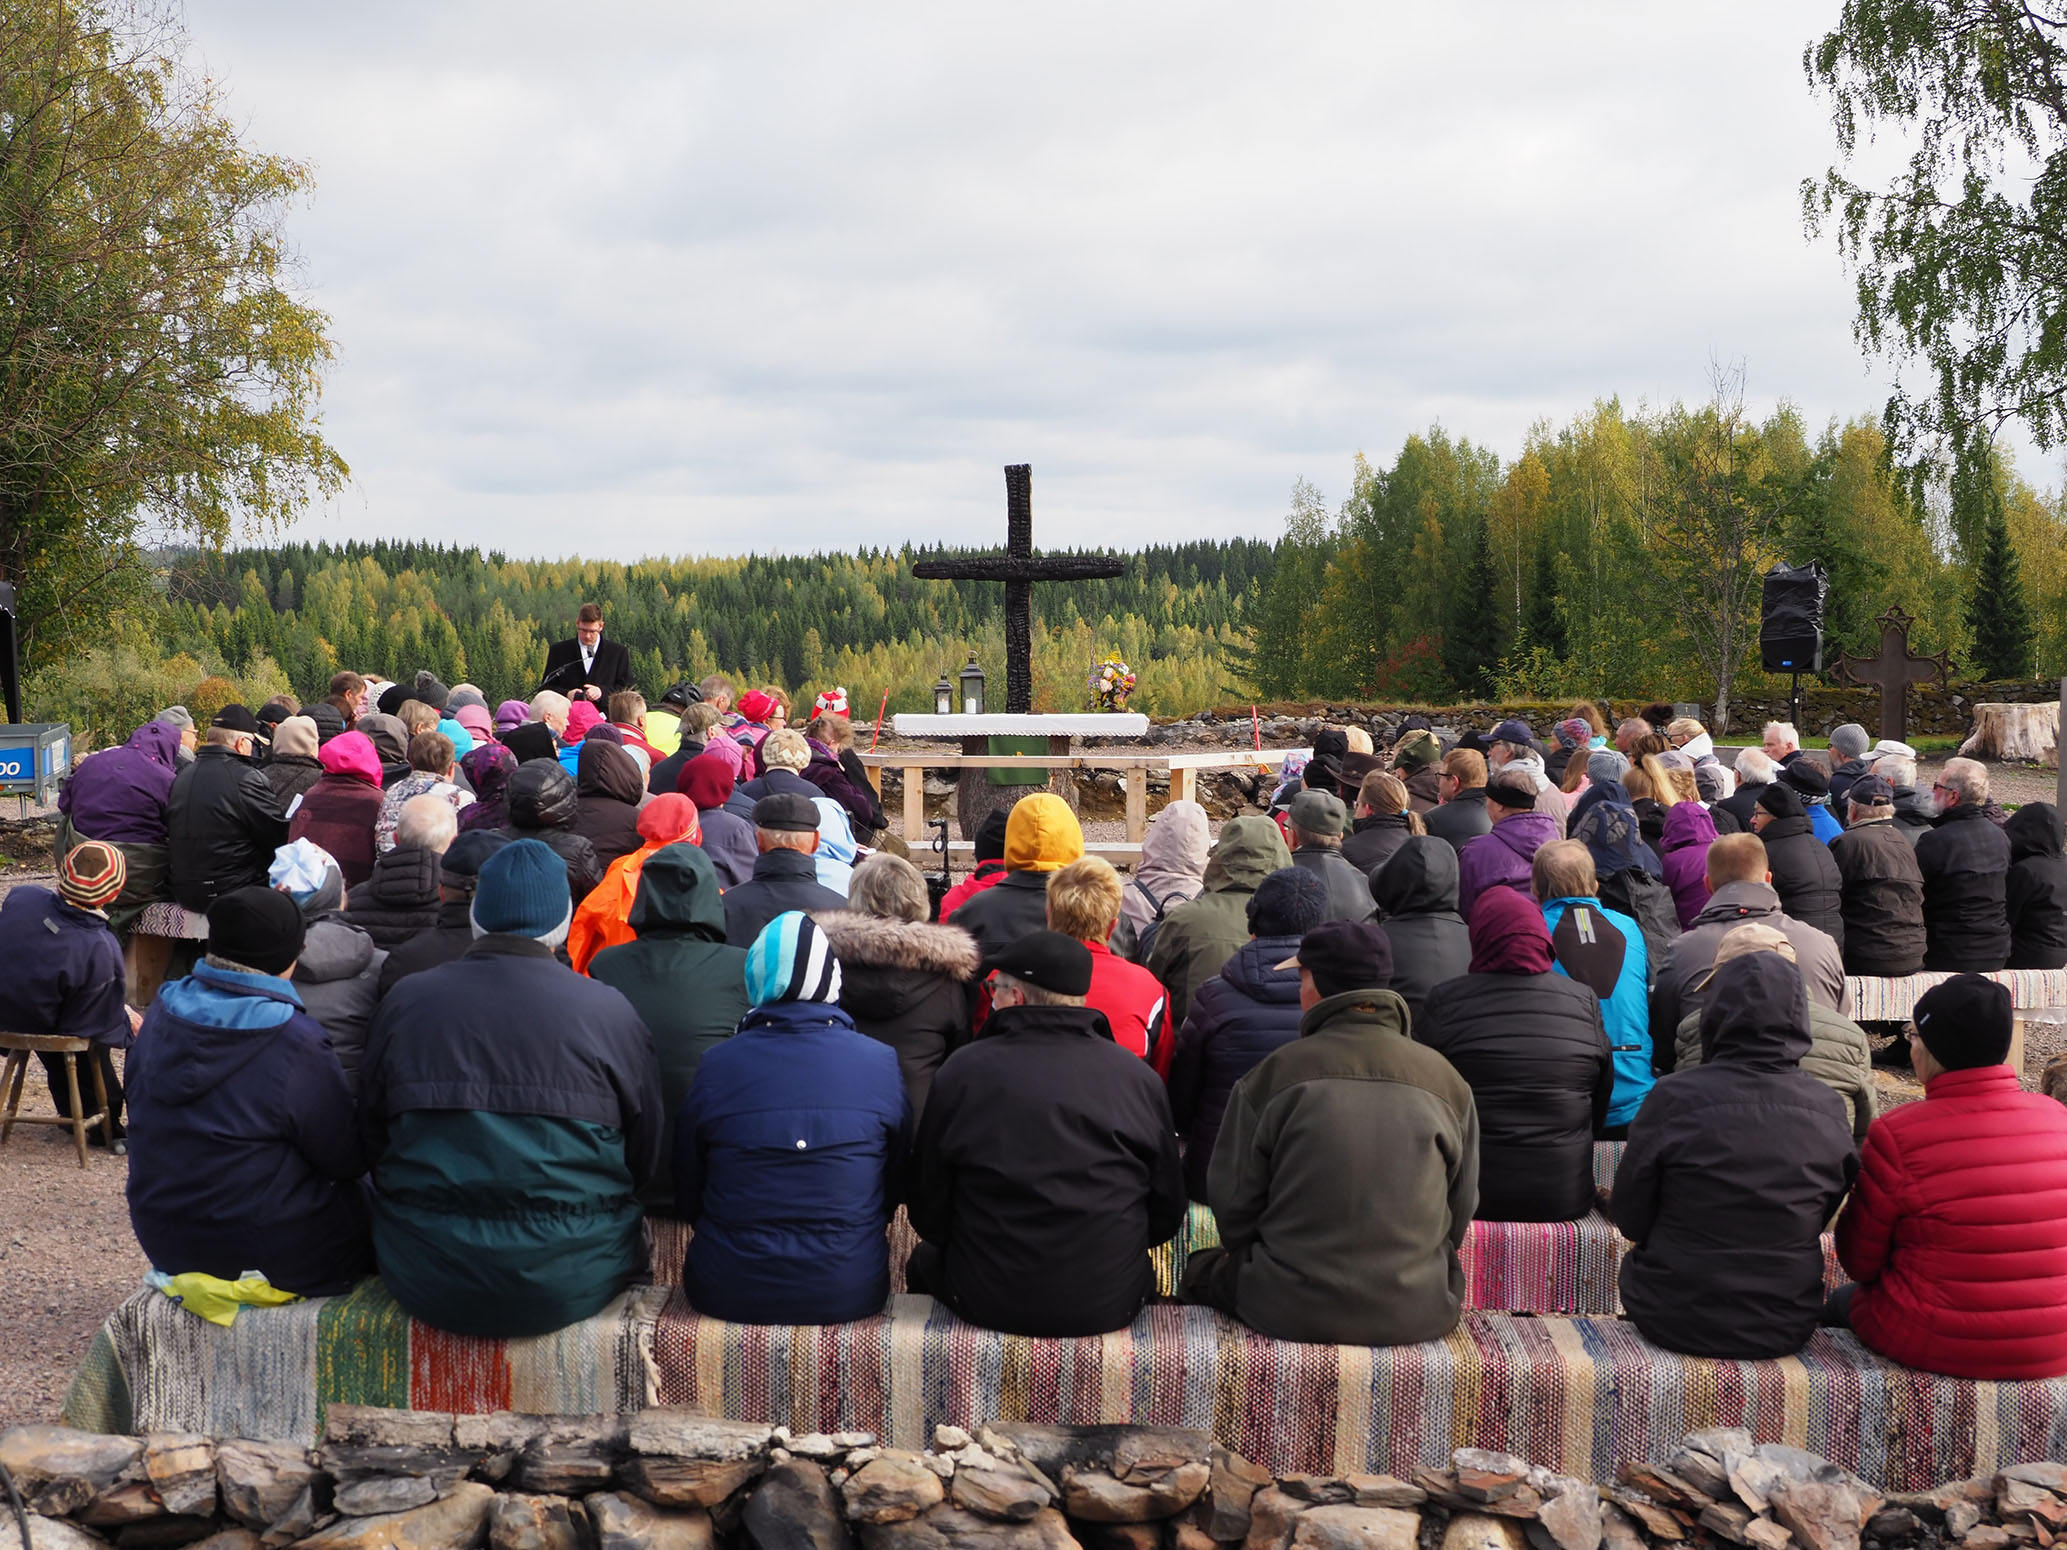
(587,667)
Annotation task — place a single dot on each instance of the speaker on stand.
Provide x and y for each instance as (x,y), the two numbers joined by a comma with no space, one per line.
(1790,624)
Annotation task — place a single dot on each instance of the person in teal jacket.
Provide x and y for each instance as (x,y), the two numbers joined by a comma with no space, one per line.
(511,1110)
(1603,950)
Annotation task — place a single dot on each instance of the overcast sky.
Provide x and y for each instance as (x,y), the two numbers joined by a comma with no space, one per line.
(628,279)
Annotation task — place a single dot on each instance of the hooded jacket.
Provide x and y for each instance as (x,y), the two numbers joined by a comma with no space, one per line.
(1731,1172)
(1240,1015)
(1914,814)
(1349,890)
(1957,1230)
(1198,938)
(338,812)
(390,739)
(2035,893)
(907,984)
(604,918)
(542,807)
(1374,840)
(1417,910)
(1583,939)
(1344,1181)
(243,1150)
(728,839)
(787,1154)
(1501,858)
(120,795)
(1044,1171)
(292,766)
(223,823)
(1838,1056)
(678,925)
(608,791)
(1041,836)
(1532,1047)
(1804,876)
(1461,819)
(511,1108)
(783,880)
(1692,955)
(338,978)
(399,900)
(1172,872)
(1880,889)
(1965,861)
(1689,831)
(488,769)
(1842,779)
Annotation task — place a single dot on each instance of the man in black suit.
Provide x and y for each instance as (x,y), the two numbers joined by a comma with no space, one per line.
(587,667)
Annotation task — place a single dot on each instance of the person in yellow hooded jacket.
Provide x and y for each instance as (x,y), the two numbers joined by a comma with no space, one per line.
(1041,837)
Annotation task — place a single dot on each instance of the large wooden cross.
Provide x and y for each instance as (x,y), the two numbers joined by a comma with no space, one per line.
(1893,671)
(1019,568)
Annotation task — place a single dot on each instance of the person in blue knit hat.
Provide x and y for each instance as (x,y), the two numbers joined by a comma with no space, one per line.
(511,1109)
(789,1146)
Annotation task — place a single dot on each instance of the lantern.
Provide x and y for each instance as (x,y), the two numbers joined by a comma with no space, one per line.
(972,688)
(943,698)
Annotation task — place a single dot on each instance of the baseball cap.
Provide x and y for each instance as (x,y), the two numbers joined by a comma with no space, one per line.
(1318,812)
(1344,955)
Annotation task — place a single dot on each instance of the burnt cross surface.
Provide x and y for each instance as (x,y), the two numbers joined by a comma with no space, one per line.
(1019,568)
(1893,671)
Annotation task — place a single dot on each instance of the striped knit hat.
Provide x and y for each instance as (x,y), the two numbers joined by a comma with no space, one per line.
(791,961)
(91,875)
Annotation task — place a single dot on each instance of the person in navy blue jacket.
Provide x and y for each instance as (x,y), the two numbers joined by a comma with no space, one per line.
(788,1148)
(244,1154)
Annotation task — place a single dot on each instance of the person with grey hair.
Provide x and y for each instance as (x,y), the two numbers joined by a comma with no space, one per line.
(1965,861)
(1848,761)
(1755,771)
(551,708)
(401,898)
(1914,810)
(1628,734)
(906,983)
(1781,742)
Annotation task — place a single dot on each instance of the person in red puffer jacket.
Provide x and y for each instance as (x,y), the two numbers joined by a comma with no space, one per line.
(1084,903)
(1956,1233)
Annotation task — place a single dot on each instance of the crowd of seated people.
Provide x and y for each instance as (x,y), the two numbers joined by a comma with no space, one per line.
(480,988)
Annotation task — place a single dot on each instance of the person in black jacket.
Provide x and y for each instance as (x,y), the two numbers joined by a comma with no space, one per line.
(1965,861)
(608,787)
(1244,1012)
(1462,784)
(459,868)
(401,900)
(2035,893)
(785,877)
(542,806)
(1882,887)
(224,820)
(905,982)
(587,667)
(1754,772)
(1810,887)
(1380,827)
(1417,910)
(1733,1169)
(1046,1167)
(1532,1045)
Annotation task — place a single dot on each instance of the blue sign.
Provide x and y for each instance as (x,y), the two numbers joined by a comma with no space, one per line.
(18,764)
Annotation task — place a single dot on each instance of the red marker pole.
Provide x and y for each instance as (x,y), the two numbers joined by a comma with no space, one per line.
(880,713)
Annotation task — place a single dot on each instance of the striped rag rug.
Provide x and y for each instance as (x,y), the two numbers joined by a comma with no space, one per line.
(1892,1000)
(1576,1394)
(154,1367)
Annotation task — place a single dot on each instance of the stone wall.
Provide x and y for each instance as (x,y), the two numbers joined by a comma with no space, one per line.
(669,1480)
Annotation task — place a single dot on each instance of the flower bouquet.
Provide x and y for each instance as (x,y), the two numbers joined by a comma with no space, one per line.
(1110,683)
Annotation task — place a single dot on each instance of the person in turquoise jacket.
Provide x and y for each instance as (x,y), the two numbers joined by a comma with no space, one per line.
(1603,950)
(511,1110)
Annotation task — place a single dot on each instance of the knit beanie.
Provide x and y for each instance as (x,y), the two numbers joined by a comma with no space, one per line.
(1605,764)
(532,740)
(260,928)
(522,891)
(1289,902)
(431,691)
(298,736)
(512,713)
(1966,1021)
(461,697)
(990,835)
(791,960)
(328,720)
(1574,732)
(92,875)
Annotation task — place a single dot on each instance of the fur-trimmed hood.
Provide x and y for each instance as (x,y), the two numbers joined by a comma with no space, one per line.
(875,942)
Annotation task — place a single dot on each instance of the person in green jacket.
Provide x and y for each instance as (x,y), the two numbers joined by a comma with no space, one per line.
(687,986)
(1196,939)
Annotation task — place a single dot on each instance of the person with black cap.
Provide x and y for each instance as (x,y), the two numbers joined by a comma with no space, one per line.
(1045,1166)
(245,1153)
(1880,887)
(511,1110)
(1956,1233)
(224,820)
(459,870)
(1346,1172)
(1810,887)
(785,877)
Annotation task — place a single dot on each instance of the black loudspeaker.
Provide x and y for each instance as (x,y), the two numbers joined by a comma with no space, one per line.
(1790,625)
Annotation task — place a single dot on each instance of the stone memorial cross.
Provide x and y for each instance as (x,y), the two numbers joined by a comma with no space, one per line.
(1893,671)
(1019,568)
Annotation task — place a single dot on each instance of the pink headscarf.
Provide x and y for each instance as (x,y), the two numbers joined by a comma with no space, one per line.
(580,718)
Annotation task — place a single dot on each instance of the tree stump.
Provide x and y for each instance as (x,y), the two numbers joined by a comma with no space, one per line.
(2027,733)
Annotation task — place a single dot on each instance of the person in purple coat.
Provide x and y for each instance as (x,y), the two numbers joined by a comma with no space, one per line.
(1502,857)
(122,796)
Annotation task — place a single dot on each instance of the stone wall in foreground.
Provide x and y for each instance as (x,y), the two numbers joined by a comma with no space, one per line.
(670,1480)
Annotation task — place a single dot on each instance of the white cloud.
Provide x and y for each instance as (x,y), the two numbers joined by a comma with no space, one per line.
(644,278)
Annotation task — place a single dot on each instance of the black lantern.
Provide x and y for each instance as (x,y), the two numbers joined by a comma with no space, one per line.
(944,698)
(972,688)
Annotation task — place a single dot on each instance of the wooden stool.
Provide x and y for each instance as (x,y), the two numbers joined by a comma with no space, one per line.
(19,1047)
